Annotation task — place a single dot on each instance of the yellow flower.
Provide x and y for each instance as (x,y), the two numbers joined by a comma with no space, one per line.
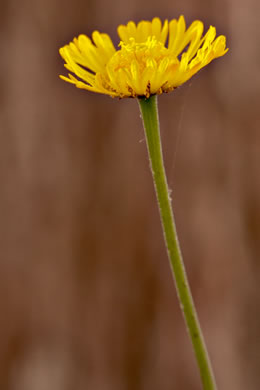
(143,65)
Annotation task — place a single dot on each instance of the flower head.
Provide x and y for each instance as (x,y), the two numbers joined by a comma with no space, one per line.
(143,65)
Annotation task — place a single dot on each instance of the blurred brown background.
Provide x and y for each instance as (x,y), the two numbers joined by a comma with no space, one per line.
(86,296)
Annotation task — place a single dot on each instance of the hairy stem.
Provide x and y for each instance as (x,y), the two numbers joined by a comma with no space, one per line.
(150,118)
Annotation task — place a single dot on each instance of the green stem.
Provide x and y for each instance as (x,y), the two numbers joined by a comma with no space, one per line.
(149,113)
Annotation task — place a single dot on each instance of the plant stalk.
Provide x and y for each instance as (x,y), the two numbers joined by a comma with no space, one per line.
(149,112)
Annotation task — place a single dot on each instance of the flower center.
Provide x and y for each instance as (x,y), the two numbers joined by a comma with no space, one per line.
(138,66)
(145,54)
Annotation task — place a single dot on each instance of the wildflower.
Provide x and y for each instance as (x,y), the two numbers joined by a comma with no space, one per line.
(143,65)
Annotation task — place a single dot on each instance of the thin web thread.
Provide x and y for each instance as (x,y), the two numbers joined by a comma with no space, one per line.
(177,144)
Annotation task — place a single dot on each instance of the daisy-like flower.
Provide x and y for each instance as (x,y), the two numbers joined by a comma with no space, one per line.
(144,64)
(151,59)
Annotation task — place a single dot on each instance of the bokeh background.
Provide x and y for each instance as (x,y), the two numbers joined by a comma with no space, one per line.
(86,295)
